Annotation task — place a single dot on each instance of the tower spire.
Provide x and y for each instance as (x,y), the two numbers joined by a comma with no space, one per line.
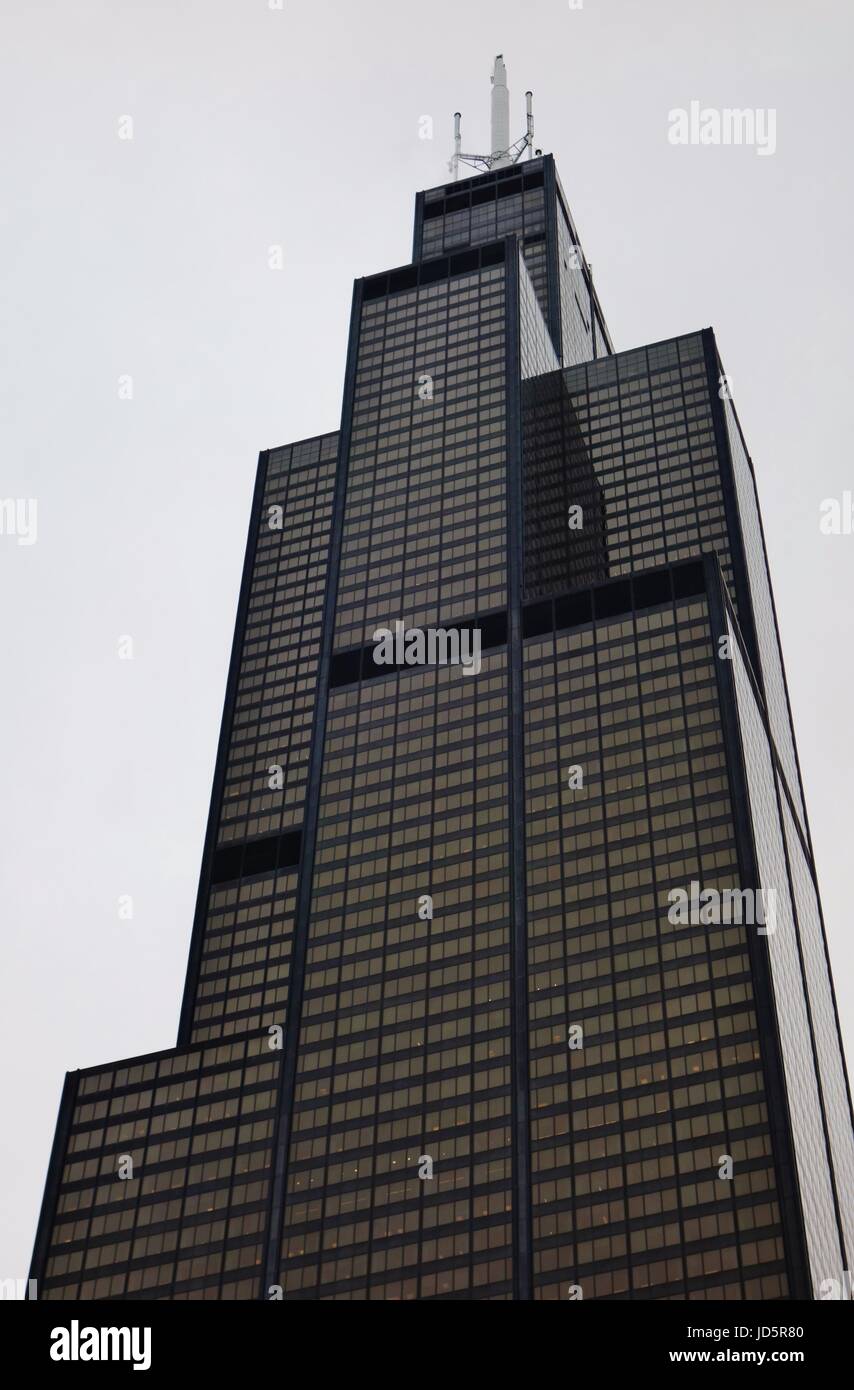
(500,114)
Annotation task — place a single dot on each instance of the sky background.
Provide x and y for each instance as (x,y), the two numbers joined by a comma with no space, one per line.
(299,127)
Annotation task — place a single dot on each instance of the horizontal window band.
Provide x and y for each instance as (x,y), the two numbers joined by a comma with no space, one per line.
(502,183)
(357,663)
(574,609)
(409,277)
(615,599)
(248,858)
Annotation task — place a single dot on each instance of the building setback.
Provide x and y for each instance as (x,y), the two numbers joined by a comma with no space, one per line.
(441,1036)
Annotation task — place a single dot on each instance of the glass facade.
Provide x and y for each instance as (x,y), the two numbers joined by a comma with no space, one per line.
(165,1177)
(277,677)
(240,964)
(527,201)
(404,1046)
(442,1037)
(628,1126)
(817,1094)
(769,660)
(426,459)
(642,421)
(485,209)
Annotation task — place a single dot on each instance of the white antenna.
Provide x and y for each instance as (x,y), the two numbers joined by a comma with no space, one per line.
(500,115)
(503,153)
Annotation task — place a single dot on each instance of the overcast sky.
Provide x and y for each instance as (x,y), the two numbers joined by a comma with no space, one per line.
(148,258)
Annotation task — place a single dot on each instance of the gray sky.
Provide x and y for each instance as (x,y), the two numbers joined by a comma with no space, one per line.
(255,127)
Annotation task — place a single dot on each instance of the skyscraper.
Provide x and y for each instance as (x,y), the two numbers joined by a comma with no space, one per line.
(508,978)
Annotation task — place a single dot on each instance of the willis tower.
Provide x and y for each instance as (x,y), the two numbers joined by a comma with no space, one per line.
(507,982)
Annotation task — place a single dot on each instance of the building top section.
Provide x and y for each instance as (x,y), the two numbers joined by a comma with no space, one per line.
(526,200)
(527,171)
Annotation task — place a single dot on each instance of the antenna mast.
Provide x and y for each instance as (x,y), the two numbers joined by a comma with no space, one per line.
(503,153)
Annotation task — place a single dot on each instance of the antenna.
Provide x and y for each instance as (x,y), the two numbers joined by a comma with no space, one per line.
(499,115)
(502,153)
(455,162)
